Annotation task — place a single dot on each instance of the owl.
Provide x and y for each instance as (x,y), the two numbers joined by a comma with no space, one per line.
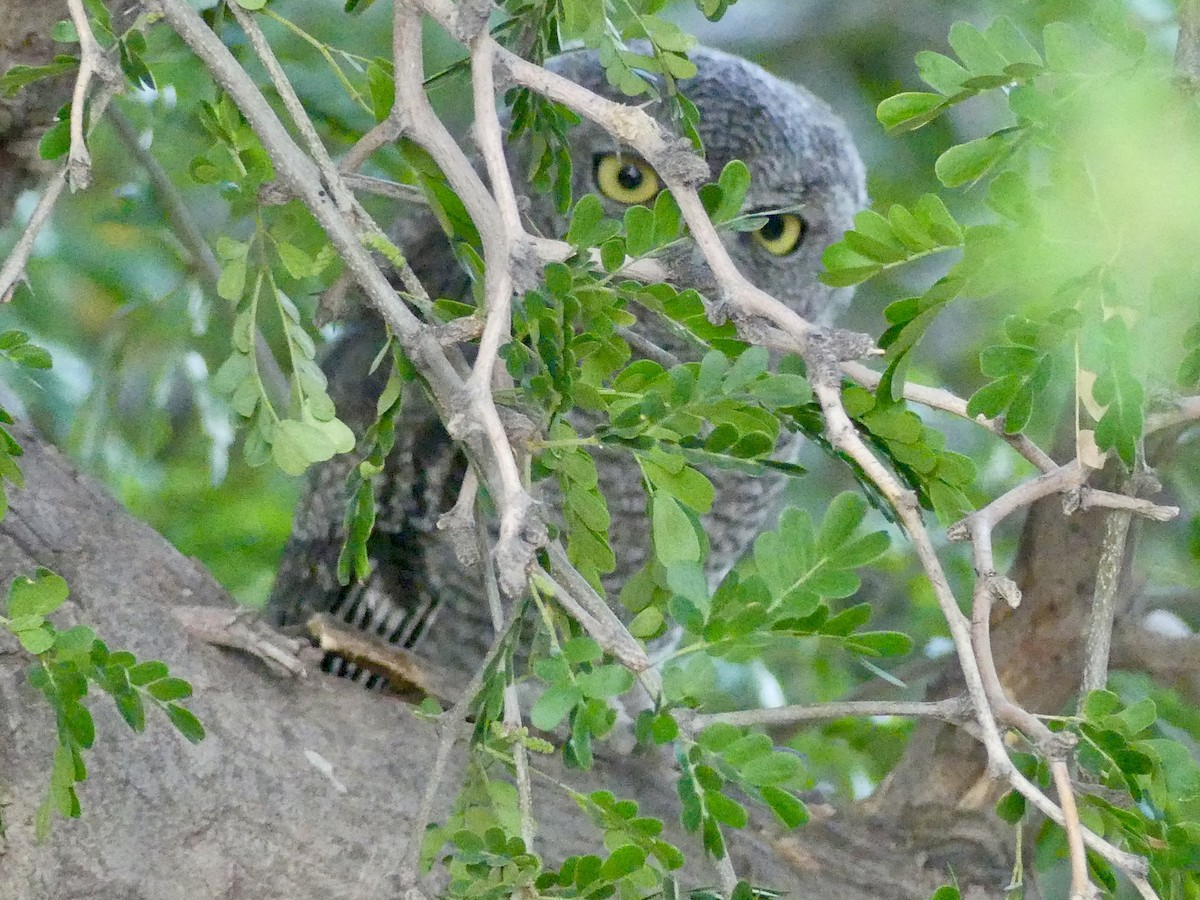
(807,181)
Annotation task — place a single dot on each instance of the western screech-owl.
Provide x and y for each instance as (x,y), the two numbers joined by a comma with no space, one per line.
(800,157)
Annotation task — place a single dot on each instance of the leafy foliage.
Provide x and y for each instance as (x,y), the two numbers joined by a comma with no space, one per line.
(312,432)
(70,663)
(1059,247)
(17,349)
(1123,755)
(379,439)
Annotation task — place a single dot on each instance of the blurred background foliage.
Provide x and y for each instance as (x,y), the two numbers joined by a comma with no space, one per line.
(135,328)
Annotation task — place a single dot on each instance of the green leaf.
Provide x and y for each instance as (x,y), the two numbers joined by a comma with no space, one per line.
(232,283)
(39,596)
(1138,717)
(37,640)
(780,391)
(639,231)
(298,263)
(648,624)
(1011,807)
(79,723)
(1120,427)
(664,728)
(909,110)
(932,213)
(883,643)
(998,361)
(586,229)
(296,443)
(844,515)
(993,398)
(129,705)
(612,255)
(910,231)
(971,161)
(1013,46)
(552,707)
(167,688)
(726,811)
(734,181)
(185,722)
(582,650)
(76,639)
(1064,47)
(667,219)
(975,50)
(686,485)
(772,769)
(791,811)
(146,672)
(605,681)
(941,73)
(18,76)
(56,141)
(31,357)
(746,748)
(719,736)
(675,537)
(1101,703)
(623,861)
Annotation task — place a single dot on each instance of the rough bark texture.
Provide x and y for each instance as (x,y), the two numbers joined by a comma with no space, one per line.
(247,813)
(25,40)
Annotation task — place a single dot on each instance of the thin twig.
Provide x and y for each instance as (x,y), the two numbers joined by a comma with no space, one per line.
(93,63)
(475,411)
(1081,886)
(954,710)
(331,177)
(394,190)
(1090,498)
(454,722)
(12,273)
(1187,409)
(512,703)
(989,586)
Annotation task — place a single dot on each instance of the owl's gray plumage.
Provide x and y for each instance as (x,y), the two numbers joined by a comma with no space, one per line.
(799,155)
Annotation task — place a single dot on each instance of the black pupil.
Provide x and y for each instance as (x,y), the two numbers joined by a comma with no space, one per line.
(773,229)
(630,177)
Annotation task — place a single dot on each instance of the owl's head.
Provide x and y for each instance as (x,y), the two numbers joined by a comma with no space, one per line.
(801,159)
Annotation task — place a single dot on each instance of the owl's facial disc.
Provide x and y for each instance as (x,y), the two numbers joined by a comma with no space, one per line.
(806,185)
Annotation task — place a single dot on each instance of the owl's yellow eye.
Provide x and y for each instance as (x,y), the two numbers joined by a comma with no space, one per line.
(625,179)
(781,233)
